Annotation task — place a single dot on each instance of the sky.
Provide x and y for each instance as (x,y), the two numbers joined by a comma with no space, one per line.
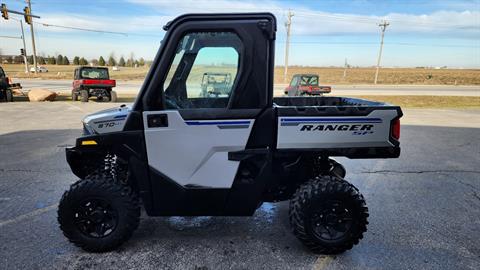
(324,33)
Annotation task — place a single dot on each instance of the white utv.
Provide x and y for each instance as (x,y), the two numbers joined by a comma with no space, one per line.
(176,152)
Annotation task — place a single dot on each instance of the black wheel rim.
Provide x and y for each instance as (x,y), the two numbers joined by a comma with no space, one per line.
(96,218)
(331,221)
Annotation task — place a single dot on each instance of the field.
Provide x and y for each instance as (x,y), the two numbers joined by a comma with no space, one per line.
(390,76)
(438,102)
(66,72)
(387,75)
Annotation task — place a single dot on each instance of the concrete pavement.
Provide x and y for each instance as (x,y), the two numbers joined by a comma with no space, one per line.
(424,206)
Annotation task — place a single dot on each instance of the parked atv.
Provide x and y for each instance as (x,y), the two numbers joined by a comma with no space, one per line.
(306,85)
(7,87)
(215,84)
(177,154)
(93,81)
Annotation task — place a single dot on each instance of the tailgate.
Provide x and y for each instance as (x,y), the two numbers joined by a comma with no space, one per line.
(99,83)
(367,132)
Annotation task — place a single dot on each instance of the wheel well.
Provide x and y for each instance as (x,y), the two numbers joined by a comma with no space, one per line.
(289,172)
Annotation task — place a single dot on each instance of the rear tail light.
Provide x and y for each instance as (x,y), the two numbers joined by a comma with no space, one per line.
(396,129)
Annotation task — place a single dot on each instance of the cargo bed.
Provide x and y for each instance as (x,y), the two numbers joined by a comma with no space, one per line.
(337,126)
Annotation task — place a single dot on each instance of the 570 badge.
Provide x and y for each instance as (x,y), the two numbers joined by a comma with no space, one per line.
(107,124)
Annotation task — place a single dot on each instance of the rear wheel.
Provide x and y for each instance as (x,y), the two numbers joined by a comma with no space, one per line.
(98,215)
(113,96)
(8,95)
(328,215)
(84,95)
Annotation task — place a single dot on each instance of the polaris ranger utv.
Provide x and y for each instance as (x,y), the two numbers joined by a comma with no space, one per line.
(93,82)
(178,153)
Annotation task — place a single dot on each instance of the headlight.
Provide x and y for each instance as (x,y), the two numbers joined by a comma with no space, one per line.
(88,130)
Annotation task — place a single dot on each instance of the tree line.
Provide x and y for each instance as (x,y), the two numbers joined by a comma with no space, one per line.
(81,61)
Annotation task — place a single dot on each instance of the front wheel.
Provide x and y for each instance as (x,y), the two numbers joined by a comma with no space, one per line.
(328,215)
(74,95)
(98,215)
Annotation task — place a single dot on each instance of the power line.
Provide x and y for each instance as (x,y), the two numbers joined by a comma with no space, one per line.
(93,30)
(328,43)
(10,37)
(360,19)
(80,29)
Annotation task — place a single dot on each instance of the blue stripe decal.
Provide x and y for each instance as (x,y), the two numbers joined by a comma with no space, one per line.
(331,120)
(120,116)
(198,123)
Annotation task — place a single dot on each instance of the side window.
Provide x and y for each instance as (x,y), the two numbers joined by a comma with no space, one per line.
(294,81)
(2,74)
(204,71)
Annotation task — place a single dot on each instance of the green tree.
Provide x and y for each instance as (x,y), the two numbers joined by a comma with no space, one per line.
(111,61)
(76,60)
(141,62)
(129,63)
(51,60)
(41,60)
(83,61)
(136,63)
(30,59)
(121,62)
(66,61)
(59,59)
(101,61)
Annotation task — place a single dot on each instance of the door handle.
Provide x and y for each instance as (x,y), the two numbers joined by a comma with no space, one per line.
(157,120)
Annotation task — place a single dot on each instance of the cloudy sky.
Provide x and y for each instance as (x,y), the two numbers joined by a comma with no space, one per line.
(324,33)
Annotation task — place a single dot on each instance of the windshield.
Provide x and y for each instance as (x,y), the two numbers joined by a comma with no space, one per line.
(94,73)
(216,78)
(309,81)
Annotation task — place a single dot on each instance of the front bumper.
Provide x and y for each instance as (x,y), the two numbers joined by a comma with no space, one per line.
(83,159)
(74,160)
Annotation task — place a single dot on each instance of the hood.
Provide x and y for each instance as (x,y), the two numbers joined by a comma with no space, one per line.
(106,121)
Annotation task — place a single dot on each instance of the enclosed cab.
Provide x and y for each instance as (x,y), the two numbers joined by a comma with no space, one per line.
(306,84)
(93,82)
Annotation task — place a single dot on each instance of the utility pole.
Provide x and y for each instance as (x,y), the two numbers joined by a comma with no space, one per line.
(383,26)
(33,37)
(345,69)
(288,23)
(24,47)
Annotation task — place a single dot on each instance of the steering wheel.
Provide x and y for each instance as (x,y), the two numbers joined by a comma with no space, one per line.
(174,103)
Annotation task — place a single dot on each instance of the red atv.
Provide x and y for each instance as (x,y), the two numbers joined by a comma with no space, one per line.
(306,84)
(93,81)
